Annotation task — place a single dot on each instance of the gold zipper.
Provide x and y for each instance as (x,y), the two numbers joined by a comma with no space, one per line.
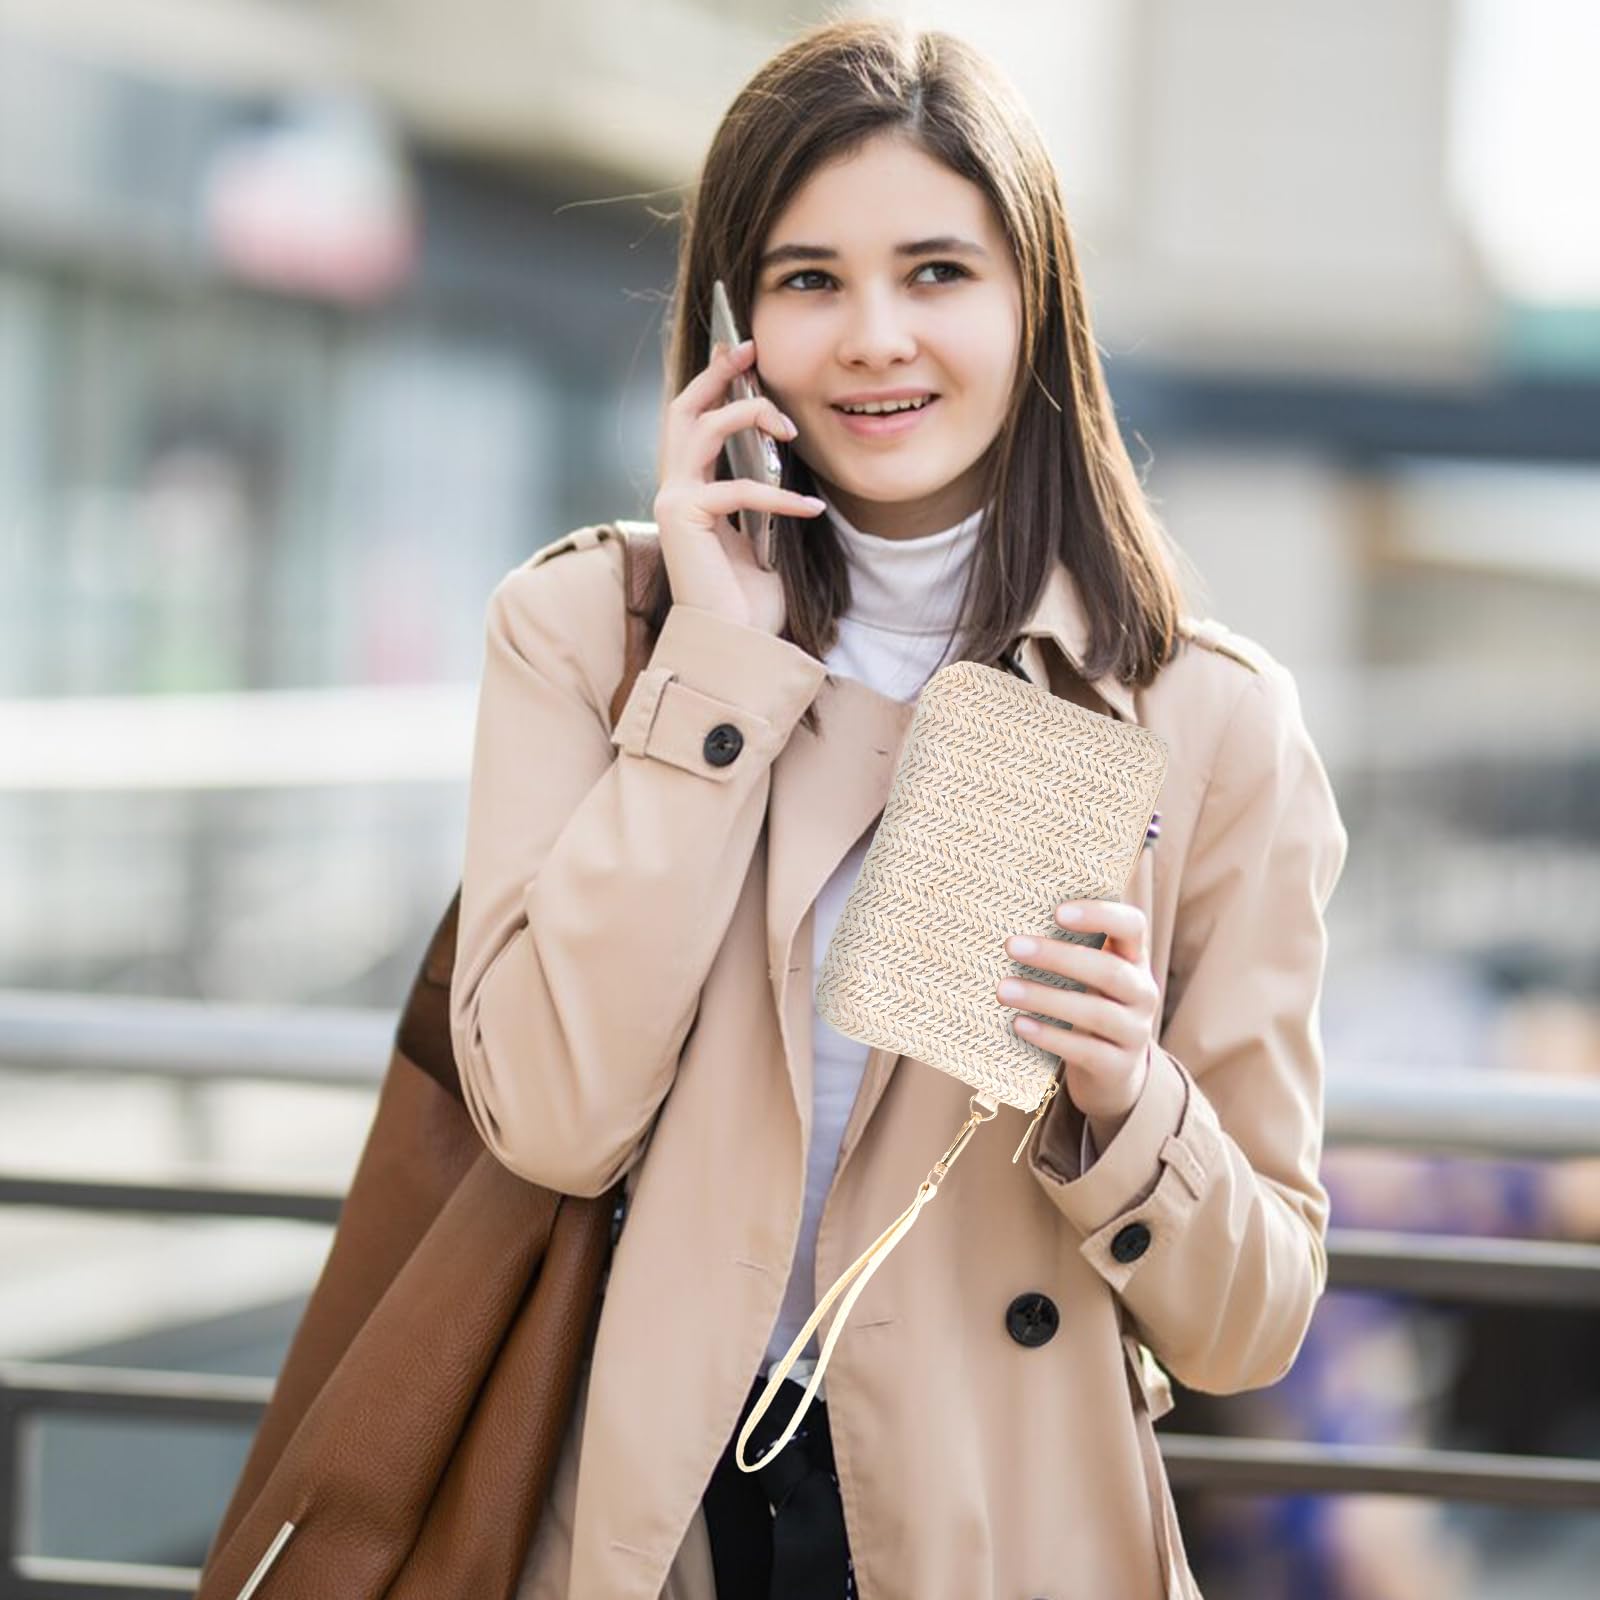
(1038,1111)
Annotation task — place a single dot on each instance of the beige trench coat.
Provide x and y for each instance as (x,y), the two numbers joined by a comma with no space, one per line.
(633,996)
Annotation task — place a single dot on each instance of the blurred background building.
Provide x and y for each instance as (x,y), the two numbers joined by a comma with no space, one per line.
(318,315)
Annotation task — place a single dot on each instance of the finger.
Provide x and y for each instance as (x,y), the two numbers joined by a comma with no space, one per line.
(1097,1056)
(1124,926)
(1110,973)
(728,495)
(712,429)
(710,384)
(1089,1013)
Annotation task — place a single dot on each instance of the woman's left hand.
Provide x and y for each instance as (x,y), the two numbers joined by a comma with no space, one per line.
(1106,1051)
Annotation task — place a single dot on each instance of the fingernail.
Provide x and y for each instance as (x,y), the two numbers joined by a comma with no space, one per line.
(813,500)
(790,425)
(1011,990)
(1068,913)
(1021,946)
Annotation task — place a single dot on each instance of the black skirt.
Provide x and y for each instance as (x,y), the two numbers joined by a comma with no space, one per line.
(778,1533)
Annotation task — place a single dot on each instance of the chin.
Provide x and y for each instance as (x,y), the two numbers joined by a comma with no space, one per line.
(889,486)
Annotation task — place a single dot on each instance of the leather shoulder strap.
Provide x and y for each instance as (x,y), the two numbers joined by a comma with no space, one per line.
(641,554)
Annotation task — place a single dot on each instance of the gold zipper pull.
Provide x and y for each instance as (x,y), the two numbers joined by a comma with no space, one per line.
(263,1566)
(1038,1111)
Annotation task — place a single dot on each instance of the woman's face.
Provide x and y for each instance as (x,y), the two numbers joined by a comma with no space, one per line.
(844,314)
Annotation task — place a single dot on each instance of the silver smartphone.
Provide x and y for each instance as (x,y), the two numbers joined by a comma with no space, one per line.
(751,452)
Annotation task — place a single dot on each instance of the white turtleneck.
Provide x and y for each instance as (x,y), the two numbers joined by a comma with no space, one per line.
(905,595)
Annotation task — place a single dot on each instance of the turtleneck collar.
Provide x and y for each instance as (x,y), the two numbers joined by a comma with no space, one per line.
(907,585)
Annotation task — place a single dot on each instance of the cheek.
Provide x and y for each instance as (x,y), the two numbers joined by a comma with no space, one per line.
(782,356)
(983,349)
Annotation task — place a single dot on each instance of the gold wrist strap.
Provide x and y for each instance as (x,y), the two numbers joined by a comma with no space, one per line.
(855,1277)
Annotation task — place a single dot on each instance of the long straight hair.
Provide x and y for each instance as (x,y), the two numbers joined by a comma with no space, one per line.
(1059,483)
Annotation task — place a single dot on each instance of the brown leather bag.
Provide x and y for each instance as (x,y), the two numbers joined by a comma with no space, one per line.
(413,1431)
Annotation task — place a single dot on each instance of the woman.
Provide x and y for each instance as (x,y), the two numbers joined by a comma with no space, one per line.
(643,909)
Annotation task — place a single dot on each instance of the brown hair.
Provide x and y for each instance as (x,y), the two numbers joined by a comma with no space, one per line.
(1060,482)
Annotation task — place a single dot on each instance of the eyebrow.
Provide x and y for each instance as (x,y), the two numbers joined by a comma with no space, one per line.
(944,244)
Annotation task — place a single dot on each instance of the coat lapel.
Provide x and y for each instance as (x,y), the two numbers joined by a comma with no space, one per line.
(827,788)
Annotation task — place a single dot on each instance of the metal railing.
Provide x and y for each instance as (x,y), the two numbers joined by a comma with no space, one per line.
(1482,1114)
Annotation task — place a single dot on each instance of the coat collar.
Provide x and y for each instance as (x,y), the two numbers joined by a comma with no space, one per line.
(1059,616)
(828,788)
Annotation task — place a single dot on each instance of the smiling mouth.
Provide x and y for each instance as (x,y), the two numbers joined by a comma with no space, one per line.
(898,408)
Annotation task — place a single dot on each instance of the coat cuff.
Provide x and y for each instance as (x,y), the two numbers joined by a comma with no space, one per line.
(1133,1201)
(707,672)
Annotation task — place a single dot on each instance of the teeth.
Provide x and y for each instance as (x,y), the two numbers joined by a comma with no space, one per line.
(875,408)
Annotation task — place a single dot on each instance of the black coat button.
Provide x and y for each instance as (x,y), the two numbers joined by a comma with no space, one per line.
(1032,1319)
(1131,1242)
(723,743)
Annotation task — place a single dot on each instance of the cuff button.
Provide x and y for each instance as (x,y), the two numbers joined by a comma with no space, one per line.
(723,743)
(1131,1242)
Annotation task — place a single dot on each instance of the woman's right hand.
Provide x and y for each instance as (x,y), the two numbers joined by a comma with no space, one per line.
(710,562)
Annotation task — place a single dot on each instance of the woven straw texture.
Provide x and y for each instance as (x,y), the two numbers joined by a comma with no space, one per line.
(1006,801)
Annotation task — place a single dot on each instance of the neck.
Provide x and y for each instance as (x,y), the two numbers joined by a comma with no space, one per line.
(911,585)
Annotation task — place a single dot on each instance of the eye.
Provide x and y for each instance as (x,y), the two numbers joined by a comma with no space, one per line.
(927,266)
(953,266)
(808,272)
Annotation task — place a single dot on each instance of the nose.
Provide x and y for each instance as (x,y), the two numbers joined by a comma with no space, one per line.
(877,331)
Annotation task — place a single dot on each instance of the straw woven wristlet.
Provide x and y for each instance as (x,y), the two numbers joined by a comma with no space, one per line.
(1007,800)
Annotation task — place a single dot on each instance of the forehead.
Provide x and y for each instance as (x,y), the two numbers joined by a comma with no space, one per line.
(885,192)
